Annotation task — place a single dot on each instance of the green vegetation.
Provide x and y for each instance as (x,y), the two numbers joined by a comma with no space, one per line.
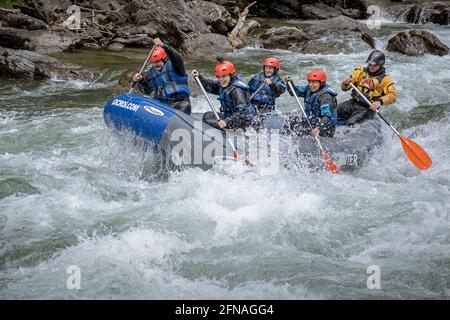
(11,3)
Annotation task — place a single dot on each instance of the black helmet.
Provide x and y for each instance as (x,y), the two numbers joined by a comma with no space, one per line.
(376,57)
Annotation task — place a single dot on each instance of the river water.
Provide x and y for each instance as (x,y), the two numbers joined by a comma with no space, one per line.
(72,193)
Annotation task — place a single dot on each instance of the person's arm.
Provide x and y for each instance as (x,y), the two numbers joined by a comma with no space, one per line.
(356,77)
(211,86)
(327,110)
(389,91)
(278,86)
(145,85)
(238,118)
(250,84)
(176,59)
(300,91)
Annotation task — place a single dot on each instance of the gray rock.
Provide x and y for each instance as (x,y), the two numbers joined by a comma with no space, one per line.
(249,26)
(47,10)
(214,15)
(45,41)
(135,40)
(341,25)
(207,44)
(438,13)
(417,43)
(367,38)
(319,11)
(173,20)
(34,65)
(284,38)
(16,39)
(115,46)
(22,21)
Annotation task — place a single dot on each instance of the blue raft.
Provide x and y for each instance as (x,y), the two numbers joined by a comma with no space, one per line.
(190,142)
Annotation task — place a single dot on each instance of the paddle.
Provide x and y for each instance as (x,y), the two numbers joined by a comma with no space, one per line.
(235,152)
(330,165)
(257,90)
(413,151)
(254,94)
(142,69)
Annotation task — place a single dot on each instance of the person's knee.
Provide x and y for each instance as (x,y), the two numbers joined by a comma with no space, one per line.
(184,106)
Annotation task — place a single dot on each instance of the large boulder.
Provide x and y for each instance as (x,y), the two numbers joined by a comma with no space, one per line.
(44,41)
(207,44)
(417,43)
(284,38)
(16,39)
(22,21)
(319,11)
(214,15)
(34,65)
(322,11)
(46,10)
(337,26)
(438,12)
(173,21)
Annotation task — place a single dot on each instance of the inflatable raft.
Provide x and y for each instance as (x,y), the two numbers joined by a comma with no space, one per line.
(190,142)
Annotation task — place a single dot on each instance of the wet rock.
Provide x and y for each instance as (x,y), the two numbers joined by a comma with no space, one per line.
(44,41)
(34,65)
(284,38)
(438,13)
(417,43)
(319,11)
(22,21)
(207,44)
(173,21)
(214,15)
(46,10)
(367,38)
(16,39)
(341,25)
(135,40)
(115,46)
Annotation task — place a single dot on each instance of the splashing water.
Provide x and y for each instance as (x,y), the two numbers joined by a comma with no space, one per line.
(74,193)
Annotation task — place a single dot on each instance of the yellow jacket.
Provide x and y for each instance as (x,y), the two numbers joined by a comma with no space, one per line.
(375,88)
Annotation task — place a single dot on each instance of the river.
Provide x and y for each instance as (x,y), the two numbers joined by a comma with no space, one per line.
(73,193)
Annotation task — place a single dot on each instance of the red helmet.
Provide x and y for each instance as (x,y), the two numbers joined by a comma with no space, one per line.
(317,75)
(272,62)
(158,54)
(223,68)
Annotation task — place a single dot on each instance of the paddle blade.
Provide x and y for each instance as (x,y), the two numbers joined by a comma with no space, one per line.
(416,154)
(329,164)
(238,156)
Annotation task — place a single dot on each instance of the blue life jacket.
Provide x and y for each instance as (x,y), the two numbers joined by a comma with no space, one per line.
(266,96)
(313,109)
(226,101)
(167,84)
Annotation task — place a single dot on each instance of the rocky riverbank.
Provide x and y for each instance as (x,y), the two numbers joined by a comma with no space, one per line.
(30,30)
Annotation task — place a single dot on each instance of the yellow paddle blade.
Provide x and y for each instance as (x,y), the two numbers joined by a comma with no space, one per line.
(416,154)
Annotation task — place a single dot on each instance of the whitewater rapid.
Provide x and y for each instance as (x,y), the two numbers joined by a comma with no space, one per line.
(74,193)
